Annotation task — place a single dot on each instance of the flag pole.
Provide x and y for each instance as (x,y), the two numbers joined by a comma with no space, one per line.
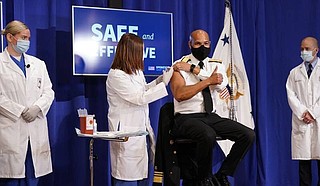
(232,112)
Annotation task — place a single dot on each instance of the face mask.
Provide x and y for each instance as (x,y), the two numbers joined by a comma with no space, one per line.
(200,53)
(22,46)
(306,55)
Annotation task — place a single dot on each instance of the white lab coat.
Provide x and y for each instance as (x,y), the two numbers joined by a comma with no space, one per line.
(128,97)
(16,93)
(304,95)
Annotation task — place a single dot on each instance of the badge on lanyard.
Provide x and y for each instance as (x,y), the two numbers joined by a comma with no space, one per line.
(39,83)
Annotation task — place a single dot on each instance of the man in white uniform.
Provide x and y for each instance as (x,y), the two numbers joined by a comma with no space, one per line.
(195,81)
(303,91)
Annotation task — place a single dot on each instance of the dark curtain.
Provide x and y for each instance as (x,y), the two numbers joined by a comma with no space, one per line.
(269,32)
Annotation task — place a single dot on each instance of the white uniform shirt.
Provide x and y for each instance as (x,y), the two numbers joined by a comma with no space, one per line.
(196,103)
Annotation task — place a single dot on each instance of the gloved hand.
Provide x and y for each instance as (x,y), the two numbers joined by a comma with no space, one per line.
(167,74)
(31,113)
(24,110)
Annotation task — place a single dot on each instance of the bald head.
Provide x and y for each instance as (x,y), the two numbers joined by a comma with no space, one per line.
(198,38)
(198,34)
(309,44)
(310,41)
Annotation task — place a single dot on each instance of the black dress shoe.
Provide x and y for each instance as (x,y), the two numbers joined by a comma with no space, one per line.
(222,179)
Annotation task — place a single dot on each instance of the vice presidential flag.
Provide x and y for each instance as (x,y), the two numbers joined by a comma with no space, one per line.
(238,104)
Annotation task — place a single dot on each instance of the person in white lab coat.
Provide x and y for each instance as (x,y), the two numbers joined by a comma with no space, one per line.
(25,97)
(303,91)
(128,97)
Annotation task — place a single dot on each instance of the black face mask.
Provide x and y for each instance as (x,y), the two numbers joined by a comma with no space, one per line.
(200,53)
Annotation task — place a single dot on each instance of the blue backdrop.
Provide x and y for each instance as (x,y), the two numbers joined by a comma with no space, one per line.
(269,32)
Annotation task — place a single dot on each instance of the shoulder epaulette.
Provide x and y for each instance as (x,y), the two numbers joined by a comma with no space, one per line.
(185,59)
(215,60)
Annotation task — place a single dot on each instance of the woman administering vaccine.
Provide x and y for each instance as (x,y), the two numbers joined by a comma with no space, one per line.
(128,97)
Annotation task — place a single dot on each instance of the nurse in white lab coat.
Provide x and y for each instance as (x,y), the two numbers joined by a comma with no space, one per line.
(304,100)
(25,98)
(128,97)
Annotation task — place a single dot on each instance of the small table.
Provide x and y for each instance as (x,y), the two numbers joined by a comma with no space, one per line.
(118,136)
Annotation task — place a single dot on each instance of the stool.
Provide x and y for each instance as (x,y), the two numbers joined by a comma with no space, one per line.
(186,155)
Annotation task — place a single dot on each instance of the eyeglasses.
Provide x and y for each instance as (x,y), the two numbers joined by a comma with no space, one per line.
(198,44)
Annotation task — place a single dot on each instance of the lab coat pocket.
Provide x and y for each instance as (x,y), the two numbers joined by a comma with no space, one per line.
(303,128)
(298,81)
(300,85)
(134,147)
(133,120)
(43,137)
(300,129)
(9,137)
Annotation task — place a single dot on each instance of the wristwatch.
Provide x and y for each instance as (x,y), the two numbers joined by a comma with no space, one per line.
(192,68)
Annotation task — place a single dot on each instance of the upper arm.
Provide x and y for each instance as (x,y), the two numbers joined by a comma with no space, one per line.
(176,83)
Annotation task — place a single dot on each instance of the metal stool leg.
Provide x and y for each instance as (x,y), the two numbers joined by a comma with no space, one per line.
(91,161)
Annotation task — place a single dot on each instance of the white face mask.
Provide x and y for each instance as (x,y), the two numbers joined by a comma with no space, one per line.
(306,55)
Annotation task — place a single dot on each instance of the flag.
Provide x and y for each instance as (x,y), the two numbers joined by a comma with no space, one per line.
(225,93)
(238,104)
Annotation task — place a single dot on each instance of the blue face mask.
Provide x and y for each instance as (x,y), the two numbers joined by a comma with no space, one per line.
(22,46)
(306,55)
